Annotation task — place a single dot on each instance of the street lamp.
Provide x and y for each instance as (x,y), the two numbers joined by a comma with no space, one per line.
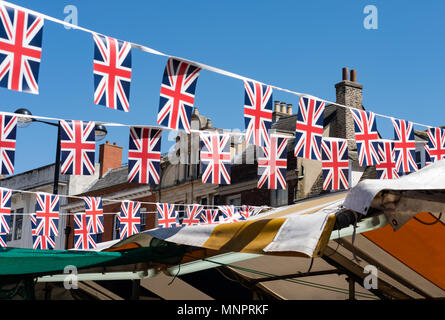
(99,130)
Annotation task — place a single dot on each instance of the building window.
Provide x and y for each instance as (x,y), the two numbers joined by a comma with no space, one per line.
(234,200)
(180,209)
(203,201)
(143,212)
(116,224)
(278,197)
(15,225)
(18,224)
(11,226)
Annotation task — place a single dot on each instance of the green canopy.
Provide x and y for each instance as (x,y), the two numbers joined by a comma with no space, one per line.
(16,261)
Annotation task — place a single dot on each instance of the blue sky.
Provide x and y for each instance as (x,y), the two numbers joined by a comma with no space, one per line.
(299,45)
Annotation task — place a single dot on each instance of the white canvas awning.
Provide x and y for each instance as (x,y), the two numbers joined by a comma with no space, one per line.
(403,198)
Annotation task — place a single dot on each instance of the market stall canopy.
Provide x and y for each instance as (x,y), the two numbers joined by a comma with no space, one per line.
(403,198)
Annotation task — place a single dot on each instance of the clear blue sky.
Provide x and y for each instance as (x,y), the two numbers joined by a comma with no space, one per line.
(299,45)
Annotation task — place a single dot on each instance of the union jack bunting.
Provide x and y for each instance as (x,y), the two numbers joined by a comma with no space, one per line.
(3,239)
(257,112)
(404,145)
(5,210)
(167,215)
(335,164)
(78,147)
(41,242)
(144,155)
(366,136)
(215,158)
(209,216)
(8,129)
(386,168)
(94,214)
(309,128)
(47,215)
(436,144)
(230,214)
(272,164)
(177,94)
(20,49)
(192,215)
(112,72)
(247,211)
(83,239)
(129,219)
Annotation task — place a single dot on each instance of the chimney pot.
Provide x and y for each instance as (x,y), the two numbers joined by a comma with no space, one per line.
(289,109)
(345,75)
(276,106)
(353,75)
(283,107)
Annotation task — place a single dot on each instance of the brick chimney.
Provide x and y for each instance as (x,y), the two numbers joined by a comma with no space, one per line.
(110,157)
(349,93)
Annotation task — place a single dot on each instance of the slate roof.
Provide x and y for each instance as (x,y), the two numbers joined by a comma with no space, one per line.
(112,178)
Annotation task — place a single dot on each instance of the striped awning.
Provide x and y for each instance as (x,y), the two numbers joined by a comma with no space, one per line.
(299,229)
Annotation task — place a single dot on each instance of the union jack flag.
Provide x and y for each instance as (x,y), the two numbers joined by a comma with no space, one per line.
(144,155)
(366,136)
(257,112)
(177,94)
(436,144)
(20,49)
(8,128)
(386,168)
(94,214)
(130,219)
(192,215)
(47,215)
(335,164)
(5,215)
(215,158)
(78,147)
(405,146)
(209,216)
(247,211)
(5,210)
(309,128)
(112,72)
(272,164)
(3,239)
(230,214)
(167,215)
(41,242)
(83,239)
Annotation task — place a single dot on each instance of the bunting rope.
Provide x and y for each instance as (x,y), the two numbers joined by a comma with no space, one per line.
(141,202)
(198,64)
(116,124)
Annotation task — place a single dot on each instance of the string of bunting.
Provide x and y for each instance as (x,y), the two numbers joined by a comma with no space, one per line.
(90,222)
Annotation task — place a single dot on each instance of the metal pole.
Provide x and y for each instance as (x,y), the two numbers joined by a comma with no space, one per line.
(57,164)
